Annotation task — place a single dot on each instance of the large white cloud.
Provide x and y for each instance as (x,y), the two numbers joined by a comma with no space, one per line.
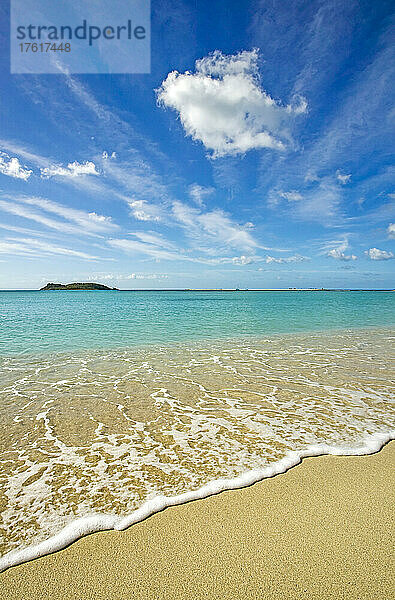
(376,254)
(223,105)
(12,167)
(74,169)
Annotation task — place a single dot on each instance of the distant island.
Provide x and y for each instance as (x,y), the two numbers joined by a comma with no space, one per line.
(75,286)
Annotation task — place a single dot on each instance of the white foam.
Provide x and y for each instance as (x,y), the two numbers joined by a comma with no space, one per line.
(94,523)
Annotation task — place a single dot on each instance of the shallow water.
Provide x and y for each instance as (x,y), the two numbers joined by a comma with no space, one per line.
(100,431)
(59,321)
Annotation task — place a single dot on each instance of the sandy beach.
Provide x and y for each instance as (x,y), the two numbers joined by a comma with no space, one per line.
(322,530)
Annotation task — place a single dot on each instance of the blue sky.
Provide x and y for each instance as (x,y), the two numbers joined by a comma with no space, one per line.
(257,153)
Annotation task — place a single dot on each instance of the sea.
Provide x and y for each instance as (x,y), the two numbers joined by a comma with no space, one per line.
(117,404)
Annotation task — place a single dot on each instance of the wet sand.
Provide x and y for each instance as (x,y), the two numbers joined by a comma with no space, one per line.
(323,530)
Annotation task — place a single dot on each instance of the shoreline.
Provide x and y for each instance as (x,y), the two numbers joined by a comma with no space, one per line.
(97,543)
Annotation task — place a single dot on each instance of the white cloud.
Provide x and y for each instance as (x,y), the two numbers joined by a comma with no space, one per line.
(153,238)
(343,179)
(27,213)
(50,169)
(319,203)
(198,193)
(290,259)
(154,251)
(106,155)
(74,169)
(247,260)
(144,211)
(223,105)
(391,230)
(87,223)
(235,260)
(146,276)
(137,177)
(242,260)
(99,218)
(339,251)
(337,254)
(122,276)
(16,249)
(37,248)
(90,221)
(159,249)
(292,196)
(376,254)
(23,230)
(36,159)
(212,226)
(13,168)
(311,176)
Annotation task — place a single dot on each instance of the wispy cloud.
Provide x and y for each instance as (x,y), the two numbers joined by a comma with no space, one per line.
(319,202)
(38,248)
(27,213)
(151,250)
(364,114)
(153,238)
(16,229)
(198,193)
(125,276)
(212,226)
(136,177)
(31,157)
(337,249)
(88,223)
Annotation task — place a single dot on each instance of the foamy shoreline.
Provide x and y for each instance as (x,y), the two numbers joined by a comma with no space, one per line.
(322,531)
(96,523)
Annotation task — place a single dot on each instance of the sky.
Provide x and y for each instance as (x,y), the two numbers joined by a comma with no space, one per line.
(256,154)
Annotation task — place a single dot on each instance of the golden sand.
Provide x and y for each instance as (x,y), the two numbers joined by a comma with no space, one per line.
(321,531)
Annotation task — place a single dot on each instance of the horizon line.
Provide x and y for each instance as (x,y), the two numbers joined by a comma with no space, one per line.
(292,289)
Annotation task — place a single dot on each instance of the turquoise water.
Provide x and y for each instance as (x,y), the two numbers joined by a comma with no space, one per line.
(112,400)
(35,322)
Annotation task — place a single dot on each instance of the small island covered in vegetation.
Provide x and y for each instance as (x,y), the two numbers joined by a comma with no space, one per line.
(75,286)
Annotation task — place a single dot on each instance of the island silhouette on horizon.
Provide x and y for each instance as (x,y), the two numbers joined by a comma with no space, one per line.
(76,286)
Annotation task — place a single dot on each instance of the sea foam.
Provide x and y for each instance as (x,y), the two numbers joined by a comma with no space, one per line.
(95,523)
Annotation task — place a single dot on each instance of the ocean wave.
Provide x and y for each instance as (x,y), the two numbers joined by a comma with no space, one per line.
(95,523)
(101,437)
